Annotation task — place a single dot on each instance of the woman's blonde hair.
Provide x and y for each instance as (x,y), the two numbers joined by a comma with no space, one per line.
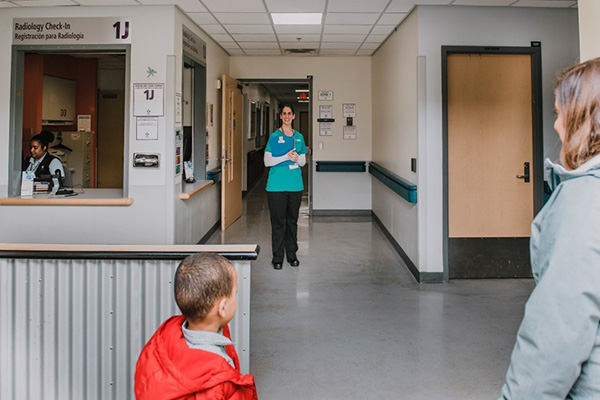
(577,92)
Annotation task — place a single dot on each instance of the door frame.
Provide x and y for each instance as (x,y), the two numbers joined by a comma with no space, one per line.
(304,81)
(537,122)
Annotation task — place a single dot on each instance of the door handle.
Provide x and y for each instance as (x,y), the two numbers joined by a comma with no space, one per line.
(525,176)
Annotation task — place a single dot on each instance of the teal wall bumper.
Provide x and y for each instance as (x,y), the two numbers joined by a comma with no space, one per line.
(401,186)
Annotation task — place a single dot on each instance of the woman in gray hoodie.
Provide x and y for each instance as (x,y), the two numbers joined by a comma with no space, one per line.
(557,351)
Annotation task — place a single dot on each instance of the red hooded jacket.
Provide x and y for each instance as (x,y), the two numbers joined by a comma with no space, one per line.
(169,369)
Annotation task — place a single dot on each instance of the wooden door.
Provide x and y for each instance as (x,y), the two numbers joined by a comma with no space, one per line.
(231,162)
(490,139)
(111,139)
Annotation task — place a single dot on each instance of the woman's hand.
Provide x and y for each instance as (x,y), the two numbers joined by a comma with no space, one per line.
(292,155)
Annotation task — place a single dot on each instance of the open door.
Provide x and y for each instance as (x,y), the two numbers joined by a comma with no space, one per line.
(231,161)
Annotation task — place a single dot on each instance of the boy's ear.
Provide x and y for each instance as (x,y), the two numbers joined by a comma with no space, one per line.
(222,307)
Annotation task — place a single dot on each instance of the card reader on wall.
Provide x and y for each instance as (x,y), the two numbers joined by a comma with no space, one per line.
(146,160)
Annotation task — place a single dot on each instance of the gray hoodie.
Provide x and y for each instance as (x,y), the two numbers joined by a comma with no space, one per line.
(557,352)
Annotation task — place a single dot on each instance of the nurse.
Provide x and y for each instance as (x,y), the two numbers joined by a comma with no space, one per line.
(285,154)
(40,162)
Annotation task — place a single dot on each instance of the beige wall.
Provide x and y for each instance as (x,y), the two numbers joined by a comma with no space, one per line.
(349,79)
(589,29)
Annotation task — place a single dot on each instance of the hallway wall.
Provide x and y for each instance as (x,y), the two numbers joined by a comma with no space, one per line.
(349,79)
(436,27)
(589,29)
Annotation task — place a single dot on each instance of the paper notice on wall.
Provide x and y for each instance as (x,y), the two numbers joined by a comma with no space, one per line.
(325,129)
(349,132)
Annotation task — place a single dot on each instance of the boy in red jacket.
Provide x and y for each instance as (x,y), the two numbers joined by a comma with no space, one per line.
(191,356)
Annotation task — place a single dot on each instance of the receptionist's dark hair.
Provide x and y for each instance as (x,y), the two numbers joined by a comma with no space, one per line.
(288,105)
(45,137)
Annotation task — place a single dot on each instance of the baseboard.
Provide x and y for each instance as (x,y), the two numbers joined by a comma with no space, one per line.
(211,231)
(421,277)
(341,213)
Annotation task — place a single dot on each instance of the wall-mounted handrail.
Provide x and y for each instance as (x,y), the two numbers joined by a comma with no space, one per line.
(341,166)
(399,185)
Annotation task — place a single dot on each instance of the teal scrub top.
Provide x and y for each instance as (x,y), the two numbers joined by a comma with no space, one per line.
(284,177)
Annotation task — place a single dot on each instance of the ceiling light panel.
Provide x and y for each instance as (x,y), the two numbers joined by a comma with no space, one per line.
(238,5)
(243,18)
(297,18)
(545,3)
(305,6)
(351,18)
(303,38)
(301,45)
(360,6)
(293,29)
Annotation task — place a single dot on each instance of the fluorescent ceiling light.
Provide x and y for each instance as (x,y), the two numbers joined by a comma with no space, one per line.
(297,18)
(301,90)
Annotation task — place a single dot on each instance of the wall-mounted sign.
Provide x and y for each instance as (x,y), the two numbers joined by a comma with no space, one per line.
(72,30)
(148,99)
(146,128)
(326,111)
(349,109)
(193,45)
(178,109)
(325,95)
(349,132)
(325,129)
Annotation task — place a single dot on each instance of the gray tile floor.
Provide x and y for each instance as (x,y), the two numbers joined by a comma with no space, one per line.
(352,323)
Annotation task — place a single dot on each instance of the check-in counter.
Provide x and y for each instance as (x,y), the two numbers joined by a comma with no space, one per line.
(74,318)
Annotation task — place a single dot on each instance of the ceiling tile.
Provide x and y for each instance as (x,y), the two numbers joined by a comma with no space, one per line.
(249,28)
(222,37)
(407,5)
(203,18)
(370,46)
(45,3)
(4,4)
(299,45)
(545,3)
(303,37)
(186,5)
(263,52)
(336,52)
(89,2)
(376,38)
(344,38)
(346,46)
(290,29)
(303,6)
(375,6)
(347,29)
(236,52)
(483,2)
(210,29)
(351,18)
(383,29)
(392,19)
(229,45)
(255,38)
(243,18)
(216,6)
(363,52)
(258,45)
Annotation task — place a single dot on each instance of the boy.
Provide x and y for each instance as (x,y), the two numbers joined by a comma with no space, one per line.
(191,356)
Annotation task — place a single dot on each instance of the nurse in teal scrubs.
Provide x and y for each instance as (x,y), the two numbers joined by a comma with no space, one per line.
(285,154)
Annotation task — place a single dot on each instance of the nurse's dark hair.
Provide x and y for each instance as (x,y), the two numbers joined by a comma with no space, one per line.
(200,281)
(284,105)
(577,93)
(45,137)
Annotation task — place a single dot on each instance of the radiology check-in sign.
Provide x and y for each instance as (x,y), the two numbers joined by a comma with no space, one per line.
(71,30)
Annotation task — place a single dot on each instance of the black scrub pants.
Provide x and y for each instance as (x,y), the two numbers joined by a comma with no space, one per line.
(284,208)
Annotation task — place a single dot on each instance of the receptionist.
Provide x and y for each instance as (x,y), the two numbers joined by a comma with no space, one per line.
(40,162)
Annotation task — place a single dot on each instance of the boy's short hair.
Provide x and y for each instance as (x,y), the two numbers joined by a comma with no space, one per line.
(201,280)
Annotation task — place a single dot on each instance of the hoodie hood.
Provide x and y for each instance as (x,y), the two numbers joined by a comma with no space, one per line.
(555,174)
